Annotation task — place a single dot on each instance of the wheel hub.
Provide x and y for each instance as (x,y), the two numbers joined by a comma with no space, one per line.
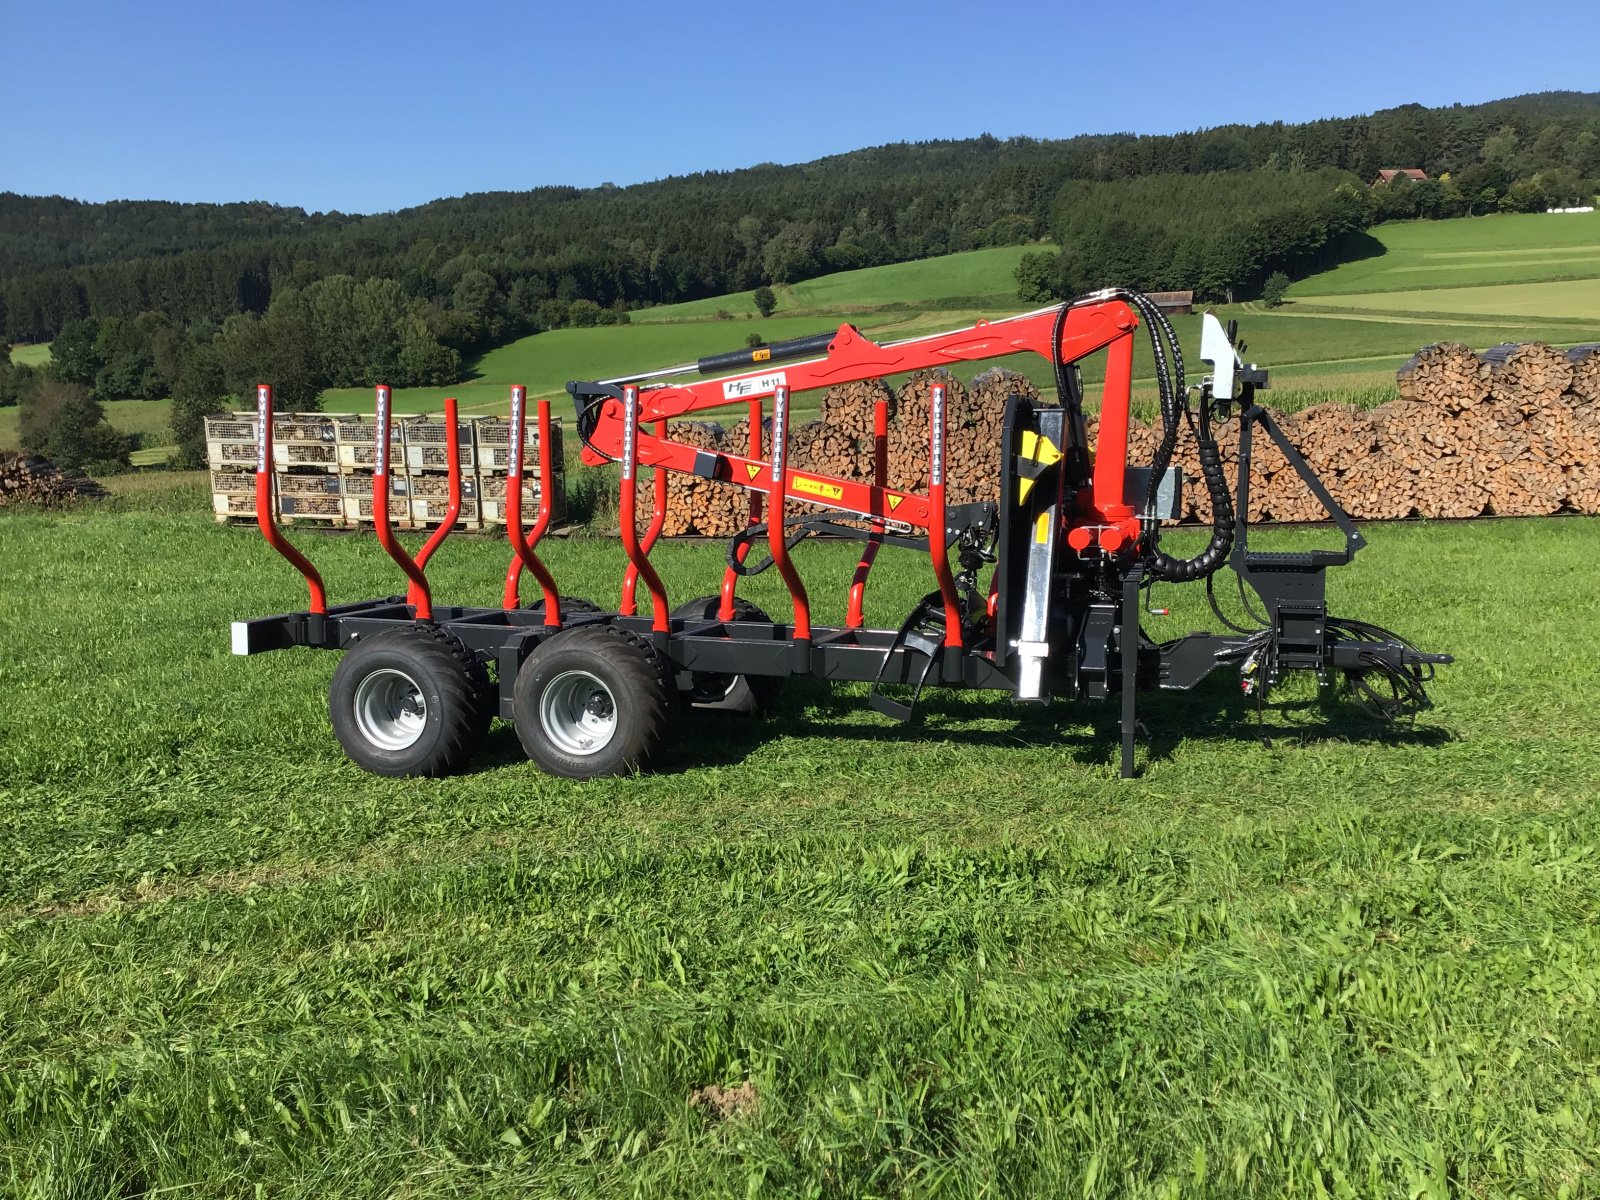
(578,712)
(390,709)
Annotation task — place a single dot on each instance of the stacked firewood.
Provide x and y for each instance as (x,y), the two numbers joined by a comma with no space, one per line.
(1514,431)
(30,480)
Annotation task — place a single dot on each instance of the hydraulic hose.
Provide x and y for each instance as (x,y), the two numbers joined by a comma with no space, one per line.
(1172,390)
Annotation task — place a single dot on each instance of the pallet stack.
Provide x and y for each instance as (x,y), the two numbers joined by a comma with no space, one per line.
(323,466)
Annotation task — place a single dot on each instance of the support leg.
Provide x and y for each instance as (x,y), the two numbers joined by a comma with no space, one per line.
(1129,641)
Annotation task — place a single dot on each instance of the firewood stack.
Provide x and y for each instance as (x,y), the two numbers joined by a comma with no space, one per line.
(31,480)
(1512,432)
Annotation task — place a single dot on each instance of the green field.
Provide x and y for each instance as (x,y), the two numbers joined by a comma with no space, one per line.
(1486,274)
(963,959)
(1468,252)
(1573,299)
(147,418)
(32,356)
(977,275)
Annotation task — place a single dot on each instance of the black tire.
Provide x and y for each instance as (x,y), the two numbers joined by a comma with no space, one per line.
(591,702)
(745,694)
(408,702)
(485,692)
(570,606)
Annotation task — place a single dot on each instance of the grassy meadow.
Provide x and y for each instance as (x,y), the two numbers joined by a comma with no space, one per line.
(817,954)
(31,356)
(960,959)
(1487,251)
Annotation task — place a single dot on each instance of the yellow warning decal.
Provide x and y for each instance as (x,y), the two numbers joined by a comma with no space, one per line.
(1024,486)
(1040,449)
(815,487)
(760,355)
(894,502)
(1041,528)
(753,468)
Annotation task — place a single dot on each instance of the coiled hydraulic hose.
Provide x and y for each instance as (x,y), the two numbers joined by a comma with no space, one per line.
(1175,408)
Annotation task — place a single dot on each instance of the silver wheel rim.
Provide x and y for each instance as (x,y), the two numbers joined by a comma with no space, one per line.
(391,711)
(578,712)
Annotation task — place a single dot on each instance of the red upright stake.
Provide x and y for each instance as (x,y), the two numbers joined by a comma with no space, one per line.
(776,510)
(658,519)
(452,447)
(938,545)
(522,547)
(880,476)
(628,505)
(265,517)
(380,509)
(730,577)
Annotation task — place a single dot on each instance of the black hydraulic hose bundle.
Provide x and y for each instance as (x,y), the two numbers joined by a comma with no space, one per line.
(1172,389)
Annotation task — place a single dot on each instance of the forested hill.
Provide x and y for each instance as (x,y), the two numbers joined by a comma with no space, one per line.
(462,274)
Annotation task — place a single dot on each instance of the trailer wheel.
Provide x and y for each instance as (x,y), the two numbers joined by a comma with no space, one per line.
(592,701)
(703,692)
(405,702)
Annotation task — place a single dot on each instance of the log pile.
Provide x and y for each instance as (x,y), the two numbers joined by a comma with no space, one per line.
(27,479)
(1514,431)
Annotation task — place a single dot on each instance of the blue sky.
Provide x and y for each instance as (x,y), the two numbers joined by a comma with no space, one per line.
(366,108)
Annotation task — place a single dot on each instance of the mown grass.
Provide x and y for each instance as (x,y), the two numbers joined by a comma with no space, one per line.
(987,273)
(35,355)
(962,959)
(146,418)
(1469,251)
(1572,299)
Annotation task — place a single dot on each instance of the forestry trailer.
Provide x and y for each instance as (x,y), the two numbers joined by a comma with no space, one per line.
(1074,542)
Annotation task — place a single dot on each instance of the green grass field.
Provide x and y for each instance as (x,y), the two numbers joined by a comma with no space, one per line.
(33,356)
(1489,275)
(1571,299)
(979,275)
(963,959)
(1468,252)
(147,418)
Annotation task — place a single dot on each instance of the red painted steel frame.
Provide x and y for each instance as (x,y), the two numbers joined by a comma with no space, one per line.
(854,616)
(776,533)
(264,514)
(1086,329)
(730,577)
(452,447)
(523,547)
(661,622)
(1111,455)
(938,547)
(658,519)
(380,507)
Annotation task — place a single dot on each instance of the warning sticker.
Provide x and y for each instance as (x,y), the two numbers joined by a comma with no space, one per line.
(815,487)
(895,502)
